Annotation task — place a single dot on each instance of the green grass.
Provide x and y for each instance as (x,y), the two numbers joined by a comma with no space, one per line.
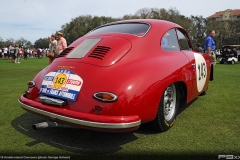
(209,125)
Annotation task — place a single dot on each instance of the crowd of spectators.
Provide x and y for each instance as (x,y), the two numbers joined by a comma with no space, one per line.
(15,53)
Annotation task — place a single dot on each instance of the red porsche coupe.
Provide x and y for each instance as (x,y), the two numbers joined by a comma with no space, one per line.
(119,76)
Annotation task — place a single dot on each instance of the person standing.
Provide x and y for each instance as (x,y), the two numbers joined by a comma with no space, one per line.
(164,41)
(25,53)
(1,52)
(28,52)
(20,53)
(17,54)
(62,43)
(12,53)
(210,46)
(52,47)
(5,51)
(38,52)
(199,48)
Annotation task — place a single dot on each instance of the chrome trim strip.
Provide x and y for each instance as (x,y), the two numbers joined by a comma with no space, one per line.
(150,26)
(52,101)
(81,122)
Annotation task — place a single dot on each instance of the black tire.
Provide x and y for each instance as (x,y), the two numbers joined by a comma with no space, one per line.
(164,122)
(233,62)
(204,92)
(221,62)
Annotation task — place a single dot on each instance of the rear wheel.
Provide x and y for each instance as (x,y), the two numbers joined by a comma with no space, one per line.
(204,92)
(167,110)
(221,62)
(233,62)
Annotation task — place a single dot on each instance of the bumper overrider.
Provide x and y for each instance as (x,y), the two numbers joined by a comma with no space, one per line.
(82,120)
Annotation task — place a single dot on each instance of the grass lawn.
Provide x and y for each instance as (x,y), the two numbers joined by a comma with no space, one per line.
(210,125)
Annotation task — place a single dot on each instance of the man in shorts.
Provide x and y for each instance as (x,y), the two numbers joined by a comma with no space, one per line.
(5,51)
(12,53)
(210,46)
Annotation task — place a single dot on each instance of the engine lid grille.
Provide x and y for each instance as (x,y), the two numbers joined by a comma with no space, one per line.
(65,51)
(99,52)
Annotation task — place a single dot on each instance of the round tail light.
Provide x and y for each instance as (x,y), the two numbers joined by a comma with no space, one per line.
(31,84)
(105,96)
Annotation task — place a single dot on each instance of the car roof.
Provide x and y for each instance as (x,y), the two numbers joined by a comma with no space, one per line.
(149,21)
(160,26)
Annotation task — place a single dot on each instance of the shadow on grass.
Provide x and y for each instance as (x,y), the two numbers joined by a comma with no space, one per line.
(72,139)
(183,105)
(147,129)
(78,140)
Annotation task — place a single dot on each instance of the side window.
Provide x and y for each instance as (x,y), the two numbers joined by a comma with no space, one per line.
(169,41)
(183,41)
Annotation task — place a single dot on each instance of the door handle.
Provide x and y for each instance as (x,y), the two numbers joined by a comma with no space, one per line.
(193,65)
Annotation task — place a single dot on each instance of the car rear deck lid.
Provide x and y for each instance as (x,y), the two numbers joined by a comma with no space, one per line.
(100,51)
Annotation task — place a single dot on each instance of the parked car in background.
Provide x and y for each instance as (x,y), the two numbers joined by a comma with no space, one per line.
(119,76)
(238,54)
(230,54)
(218,54)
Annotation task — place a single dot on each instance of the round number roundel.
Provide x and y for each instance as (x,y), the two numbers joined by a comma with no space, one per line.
(59,80)
(201,71)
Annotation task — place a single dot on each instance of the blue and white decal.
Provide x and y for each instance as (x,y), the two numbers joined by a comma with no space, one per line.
(62,84)
(201,71)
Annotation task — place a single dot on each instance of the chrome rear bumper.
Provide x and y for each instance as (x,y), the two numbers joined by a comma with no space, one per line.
(80,122)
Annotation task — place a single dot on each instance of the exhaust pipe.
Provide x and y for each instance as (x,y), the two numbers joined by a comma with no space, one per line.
(49,124)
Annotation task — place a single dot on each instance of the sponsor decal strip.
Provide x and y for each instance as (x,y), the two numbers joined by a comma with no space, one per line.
(61,84)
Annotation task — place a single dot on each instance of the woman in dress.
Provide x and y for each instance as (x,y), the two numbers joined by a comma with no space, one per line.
(52,47)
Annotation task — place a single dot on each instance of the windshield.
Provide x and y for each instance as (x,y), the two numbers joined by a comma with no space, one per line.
(138,29)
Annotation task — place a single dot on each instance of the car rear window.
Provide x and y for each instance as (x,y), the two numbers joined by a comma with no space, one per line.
(138,29)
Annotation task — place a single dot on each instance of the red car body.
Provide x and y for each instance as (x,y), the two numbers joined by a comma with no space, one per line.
(114,80)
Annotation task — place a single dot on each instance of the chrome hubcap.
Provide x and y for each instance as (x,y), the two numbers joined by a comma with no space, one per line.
(169,103)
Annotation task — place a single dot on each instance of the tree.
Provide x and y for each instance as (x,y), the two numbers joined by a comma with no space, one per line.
(143,13)
(8,42)
(164,15)
(154,13)
(81,25)
(129,16)
(41,43)
(1,42)
(28,44)
(198,30)
(23,42)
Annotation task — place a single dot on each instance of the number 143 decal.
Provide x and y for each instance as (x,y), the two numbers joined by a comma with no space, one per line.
(201,70)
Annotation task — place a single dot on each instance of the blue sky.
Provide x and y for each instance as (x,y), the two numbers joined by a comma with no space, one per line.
(34,19)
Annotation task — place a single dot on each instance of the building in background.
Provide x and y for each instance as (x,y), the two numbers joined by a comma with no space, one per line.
(226,15)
